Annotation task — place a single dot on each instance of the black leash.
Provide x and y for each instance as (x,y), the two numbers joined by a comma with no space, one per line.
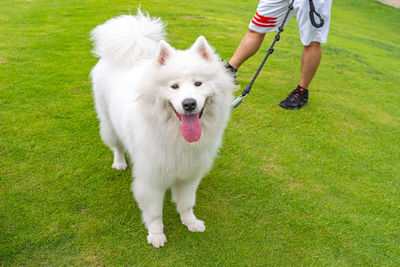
(312,18)
(246,90)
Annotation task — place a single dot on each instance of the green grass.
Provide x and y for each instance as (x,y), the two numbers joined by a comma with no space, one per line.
(317,186)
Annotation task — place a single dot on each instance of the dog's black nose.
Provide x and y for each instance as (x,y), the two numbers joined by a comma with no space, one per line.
(189,104)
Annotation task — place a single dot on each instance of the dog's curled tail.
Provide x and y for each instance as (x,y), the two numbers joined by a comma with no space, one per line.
(126,39)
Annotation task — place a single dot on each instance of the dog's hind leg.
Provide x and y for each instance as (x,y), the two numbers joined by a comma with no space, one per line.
(184,195)
(111,139)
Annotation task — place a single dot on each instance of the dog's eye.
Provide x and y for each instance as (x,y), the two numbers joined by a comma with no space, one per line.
(198,84)
(175,86)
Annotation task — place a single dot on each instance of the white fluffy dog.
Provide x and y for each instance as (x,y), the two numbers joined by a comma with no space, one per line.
(167,108)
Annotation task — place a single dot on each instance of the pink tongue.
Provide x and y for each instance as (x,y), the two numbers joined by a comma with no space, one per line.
(191,127)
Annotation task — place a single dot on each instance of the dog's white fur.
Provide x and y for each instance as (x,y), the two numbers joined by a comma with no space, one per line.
(135,105)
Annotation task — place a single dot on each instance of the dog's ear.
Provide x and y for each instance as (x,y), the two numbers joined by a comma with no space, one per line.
(202,47)
(164,52)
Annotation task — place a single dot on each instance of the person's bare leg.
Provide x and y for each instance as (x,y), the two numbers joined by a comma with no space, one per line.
(309,63)
(249,45)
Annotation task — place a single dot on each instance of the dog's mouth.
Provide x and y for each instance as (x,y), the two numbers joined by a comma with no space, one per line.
(190,125)
(180,116)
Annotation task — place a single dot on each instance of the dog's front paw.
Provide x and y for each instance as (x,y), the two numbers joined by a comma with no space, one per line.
(156,240)
(195,225)
(120,165)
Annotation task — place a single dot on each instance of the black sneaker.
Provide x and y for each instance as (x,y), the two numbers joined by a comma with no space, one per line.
(232,71)
(296,99)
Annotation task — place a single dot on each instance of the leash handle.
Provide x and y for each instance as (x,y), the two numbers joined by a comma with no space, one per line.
(314,13)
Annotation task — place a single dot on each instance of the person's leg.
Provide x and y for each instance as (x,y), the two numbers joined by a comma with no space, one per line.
(249,45)
(309,63)
(311,37)
(269,16)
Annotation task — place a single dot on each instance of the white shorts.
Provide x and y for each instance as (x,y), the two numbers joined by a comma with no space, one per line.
(271,13)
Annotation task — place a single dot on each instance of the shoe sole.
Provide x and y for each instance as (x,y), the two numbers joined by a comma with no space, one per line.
(291,108)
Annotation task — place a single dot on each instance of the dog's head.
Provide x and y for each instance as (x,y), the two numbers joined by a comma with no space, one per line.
(193,87)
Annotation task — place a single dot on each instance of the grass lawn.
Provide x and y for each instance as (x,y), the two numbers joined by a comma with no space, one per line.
(317,186)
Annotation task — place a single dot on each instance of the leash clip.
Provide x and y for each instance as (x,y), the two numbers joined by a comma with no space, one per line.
(240,98)
(237,102)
